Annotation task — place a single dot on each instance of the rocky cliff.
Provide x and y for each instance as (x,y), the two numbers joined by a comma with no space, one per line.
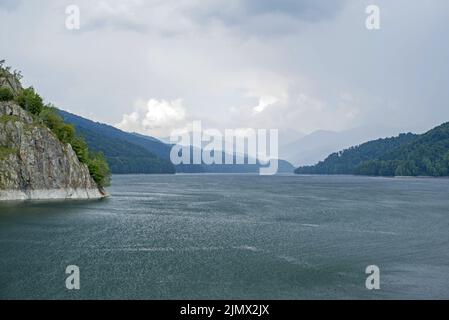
(34,164)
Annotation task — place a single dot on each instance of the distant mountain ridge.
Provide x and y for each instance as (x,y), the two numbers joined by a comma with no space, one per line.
(316,146)
(124,152)
(405,155)
(136,153)
(153,145)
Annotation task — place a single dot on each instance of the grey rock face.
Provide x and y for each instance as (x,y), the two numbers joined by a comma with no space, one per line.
(34,164)
(8,80)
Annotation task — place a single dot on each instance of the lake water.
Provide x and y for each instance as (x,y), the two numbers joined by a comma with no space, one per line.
(233,237)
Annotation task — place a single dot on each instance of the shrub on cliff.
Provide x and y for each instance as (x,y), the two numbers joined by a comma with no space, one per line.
(50,117)
(29,100)
(66,133)
(81,149)
(6,94)
(99,169)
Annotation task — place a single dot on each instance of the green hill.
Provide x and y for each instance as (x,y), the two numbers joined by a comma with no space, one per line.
(124,157)
(135,153)
(124,152)
(405,155)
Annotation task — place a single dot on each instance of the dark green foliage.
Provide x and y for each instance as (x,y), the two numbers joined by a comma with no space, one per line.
(124,152)
(99,169)
(135,153)
(125,157)
(145,165)
(405,155)
(29,100)
(426,155)
(66,133)
(6,94)
(81,149)
(154,146)
(358,159)
(50,117)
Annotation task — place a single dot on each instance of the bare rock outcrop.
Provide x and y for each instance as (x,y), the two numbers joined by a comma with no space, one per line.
(34,164)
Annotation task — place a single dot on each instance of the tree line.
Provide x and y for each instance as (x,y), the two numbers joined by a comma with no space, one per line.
(405,155)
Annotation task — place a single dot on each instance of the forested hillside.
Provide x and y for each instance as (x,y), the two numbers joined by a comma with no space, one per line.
(136,153)
(406,155)
(124,152)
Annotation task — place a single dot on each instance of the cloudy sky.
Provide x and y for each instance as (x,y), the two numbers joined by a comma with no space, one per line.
(294,65)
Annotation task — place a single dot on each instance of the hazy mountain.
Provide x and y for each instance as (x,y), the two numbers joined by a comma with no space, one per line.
(124,152)
(288,136)
(137,153)
(151,144)
(316,146)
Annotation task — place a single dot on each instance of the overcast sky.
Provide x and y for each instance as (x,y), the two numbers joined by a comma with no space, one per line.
(302,65)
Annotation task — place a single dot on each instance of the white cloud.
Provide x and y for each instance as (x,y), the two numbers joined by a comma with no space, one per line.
(265,102)
(155,117)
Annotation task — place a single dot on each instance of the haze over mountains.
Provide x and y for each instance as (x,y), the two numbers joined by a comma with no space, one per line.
(137,153)
(405,155)
(312,148)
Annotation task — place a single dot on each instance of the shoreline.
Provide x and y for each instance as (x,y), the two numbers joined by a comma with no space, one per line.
(52,194)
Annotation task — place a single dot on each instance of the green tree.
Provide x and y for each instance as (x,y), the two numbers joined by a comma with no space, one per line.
(407,168)
(81,149)
(50,117)
(65,133)
(6,94)
(29,100)
(99,169)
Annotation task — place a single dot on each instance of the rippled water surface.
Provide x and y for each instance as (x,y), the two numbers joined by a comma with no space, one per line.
(233,236)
